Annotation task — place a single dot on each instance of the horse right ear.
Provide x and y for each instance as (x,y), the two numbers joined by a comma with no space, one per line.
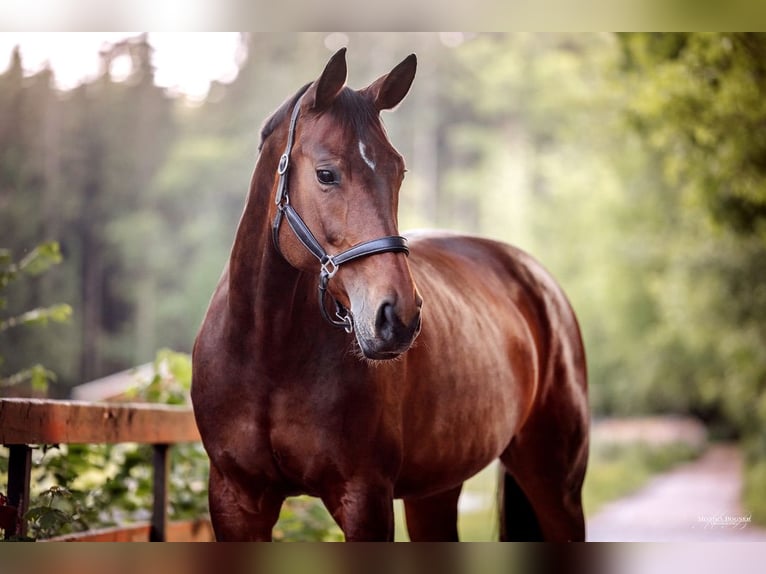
(327,87)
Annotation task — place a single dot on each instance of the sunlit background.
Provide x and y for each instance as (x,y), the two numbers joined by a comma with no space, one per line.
(633,166)
(185,63)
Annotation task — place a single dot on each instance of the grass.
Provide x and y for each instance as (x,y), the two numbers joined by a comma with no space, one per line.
(754,487)
(478,519)
(616,470)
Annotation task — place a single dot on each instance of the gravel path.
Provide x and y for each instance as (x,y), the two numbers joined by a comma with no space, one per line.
(698,501)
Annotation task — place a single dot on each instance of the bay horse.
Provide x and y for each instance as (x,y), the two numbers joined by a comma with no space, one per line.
(344,361)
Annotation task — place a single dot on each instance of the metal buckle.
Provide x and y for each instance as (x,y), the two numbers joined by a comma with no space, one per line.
(283,163)
(348,325)
(329,267)
(346,322)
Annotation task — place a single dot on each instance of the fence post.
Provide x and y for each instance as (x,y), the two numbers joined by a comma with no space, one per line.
(19,471)
(161,463)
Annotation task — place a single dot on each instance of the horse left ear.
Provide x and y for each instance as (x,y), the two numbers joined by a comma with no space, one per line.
(327,87)
(387,91)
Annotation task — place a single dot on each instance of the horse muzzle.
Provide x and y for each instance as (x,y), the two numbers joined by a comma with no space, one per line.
(390,331)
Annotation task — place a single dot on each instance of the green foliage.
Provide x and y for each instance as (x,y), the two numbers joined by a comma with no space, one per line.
(700,101)
(61,510)
(37,376)
(633,167)
(753,489)
(83,487)
(170,383)
(112,484)
(35,263)
(754,471)
(305,519)
(71,167)
(57,313)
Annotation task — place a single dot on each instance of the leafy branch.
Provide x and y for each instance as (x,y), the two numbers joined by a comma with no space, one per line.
(60,506)
(35,263)
(59,313)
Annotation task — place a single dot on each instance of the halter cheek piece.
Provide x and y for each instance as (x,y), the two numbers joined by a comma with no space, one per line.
(329,264)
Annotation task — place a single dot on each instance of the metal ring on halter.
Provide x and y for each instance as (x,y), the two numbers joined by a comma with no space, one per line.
(329,267)
(345,318)
(346,321)
(284,161)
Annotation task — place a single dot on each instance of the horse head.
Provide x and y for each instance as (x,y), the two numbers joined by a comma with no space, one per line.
(344,181)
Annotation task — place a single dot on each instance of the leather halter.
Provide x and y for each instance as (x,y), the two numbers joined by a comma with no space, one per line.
(329,264)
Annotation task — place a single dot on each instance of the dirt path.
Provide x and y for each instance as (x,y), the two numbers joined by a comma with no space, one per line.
(698,501)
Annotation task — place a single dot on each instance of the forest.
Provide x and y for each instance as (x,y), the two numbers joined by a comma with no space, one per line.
(633,166)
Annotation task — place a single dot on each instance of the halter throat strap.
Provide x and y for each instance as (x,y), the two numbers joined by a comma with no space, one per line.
(329,264)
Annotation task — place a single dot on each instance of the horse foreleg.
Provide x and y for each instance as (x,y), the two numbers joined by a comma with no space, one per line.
(433,518)
(364,511)
(241,513)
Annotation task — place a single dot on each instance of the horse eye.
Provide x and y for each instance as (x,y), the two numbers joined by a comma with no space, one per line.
(326,177)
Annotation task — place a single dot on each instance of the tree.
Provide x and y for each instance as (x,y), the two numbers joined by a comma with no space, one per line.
(79,167)
(699,103)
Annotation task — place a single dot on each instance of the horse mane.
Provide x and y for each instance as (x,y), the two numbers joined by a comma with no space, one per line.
(284,111)
(350,108)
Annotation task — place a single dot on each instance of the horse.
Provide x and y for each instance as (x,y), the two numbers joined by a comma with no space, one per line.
(344,361)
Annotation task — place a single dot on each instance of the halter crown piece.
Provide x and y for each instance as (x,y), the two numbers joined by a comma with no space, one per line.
(329,264)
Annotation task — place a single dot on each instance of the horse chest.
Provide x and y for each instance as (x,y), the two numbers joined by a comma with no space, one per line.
(320,436)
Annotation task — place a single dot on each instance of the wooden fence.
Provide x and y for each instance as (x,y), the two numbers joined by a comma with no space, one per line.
(26,422)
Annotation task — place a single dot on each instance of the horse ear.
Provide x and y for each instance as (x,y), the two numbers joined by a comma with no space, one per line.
(325,89)
(387,91)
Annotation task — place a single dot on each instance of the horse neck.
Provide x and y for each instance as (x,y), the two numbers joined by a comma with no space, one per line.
(264,290)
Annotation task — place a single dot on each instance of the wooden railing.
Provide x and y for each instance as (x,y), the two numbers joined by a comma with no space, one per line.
(26,422)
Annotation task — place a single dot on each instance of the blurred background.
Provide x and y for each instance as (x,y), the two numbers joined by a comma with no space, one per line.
(633,166)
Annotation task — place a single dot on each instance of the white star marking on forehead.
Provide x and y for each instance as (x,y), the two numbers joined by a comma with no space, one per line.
(367,160)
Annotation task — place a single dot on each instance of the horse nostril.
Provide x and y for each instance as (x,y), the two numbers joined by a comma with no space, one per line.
(389,325)
(385,320)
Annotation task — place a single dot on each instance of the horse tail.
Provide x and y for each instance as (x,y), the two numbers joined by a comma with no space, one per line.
(518,521)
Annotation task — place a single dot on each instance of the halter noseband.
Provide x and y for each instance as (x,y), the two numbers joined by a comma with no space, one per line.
(329,263)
